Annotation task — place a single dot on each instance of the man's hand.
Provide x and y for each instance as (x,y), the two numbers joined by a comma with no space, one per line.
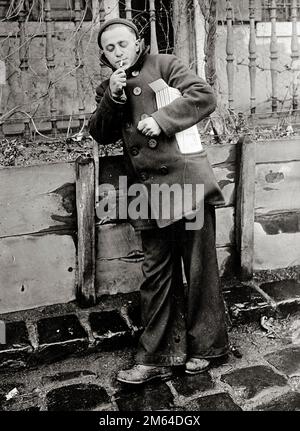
(117,83)
(149,127)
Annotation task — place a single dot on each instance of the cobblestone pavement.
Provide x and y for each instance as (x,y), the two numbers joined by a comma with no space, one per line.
(266,377)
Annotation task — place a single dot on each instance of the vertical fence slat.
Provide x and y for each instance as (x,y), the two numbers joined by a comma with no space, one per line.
(294,52)
(192,45)
(252,56)
(79,61)
(153,37)
(199,27)
(23,55)
(50,61)
(101,12)
(274,54)
(128,9)
(245,205)
(85,202)
(181,34)
(95,9)
(97,169)
(210,43)
(229,53)
(2,83)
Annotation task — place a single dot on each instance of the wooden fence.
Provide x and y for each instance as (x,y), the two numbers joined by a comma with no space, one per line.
(119,249)
(38,236)
(53,249)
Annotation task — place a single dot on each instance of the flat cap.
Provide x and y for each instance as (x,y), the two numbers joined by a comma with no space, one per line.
(120,21)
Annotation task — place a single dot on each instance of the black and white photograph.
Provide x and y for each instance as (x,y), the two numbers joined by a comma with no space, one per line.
(149,210)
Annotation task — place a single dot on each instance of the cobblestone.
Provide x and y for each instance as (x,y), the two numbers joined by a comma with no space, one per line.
(15,353)
(250,381)
(188,385)
(286,402)
(213,403)
(76,397)
(286,360)
(71,373)
(153,396)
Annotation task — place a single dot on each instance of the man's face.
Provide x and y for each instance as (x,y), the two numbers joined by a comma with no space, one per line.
(120,44)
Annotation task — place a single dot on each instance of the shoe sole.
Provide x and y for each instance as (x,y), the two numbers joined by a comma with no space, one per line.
(198,371)
(140,382)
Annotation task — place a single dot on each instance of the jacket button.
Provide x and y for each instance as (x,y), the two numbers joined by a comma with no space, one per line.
(164,170)
(134,151)
(135,73)
(127,126)
(144,116)
(144,176)
(137,91)
(152,143)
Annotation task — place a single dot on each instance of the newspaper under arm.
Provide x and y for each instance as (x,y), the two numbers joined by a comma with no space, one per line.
(188,140)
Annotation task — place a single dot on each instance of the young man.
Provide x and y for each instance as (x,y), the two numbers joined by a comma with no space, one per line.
(180,327)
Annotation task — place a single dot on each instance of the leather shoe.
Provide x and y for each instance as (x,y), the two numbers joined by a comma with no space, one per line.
(140,373)
(197,366)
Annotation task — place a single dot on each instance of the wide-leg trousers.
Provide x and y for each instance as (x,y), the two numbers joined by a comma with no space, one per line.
(181,322)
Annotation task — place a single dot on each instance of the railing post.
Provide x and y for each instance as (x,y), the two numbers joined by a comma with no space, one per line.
(192,45)
(50,64)
(79,62)
(95,9)
(210,44)
(181,33)
(128,10)
(230,53)
(2,83)
(85,202)
(101,12)
(23,53)
(112,9)
(273,54)
(199,26)
(294,53)
(252,56)
(153,37)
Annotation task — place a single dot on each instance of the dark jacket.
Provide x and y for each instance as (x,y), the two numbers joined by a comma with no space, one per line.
(158,160)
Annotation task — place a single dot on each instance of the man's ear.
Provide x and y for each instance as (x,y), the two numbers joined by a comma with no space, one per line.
(137,45)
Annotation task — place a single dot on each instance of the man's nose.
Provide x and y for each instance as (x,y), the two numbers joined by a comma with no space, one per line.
(118,51)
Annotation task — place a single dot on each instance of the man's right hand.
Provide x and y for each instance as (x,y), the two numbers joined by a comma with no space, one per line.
(117,82)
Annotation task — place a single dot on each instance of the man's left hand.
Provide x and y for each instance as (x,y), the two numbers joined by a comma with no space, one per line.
(149,127)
